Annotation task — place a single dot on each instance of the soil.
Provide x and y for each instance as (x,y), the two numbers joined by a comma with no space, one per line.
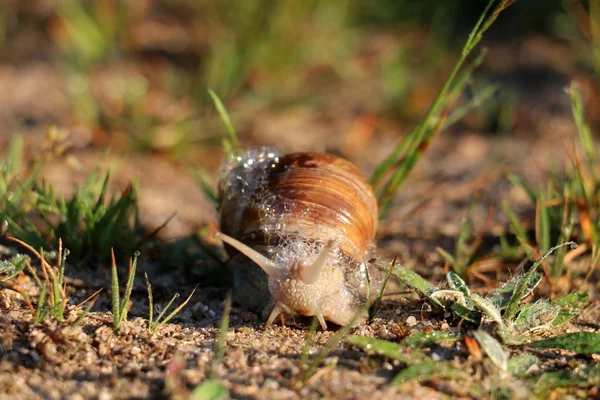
(52,360)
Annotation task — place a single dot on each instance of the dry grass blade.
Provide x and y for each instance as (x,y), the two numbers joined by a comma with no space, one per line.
(28,247)
(91,300)
(22,292)
(93,296)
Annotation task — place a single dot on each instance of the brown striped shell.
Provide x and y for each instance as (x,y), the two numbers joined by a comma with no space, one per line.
(291,209)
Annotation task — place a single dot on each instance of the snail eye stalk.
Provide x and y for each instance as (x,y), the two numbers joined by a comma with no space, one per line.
(263,262)
(310,273)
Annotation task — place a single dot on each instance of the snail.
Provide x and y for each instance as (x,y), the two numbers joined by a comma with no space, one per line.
(299,230)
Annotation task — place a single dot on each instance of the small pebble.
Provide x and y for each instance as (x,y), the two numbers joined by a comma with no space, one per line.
(411,321)
(271,384)
(135,351)
(104,395)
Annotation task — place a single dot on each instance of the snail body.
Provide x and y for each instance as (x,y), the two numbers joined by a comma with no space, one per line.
(300,229)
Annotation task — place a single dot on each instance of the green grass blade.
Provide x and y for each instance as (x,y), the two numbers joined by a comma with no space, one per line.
(204,180)
(27,183)
(542,222)
(163,311)
(580,342)
(393,158)
(15,155)
(423,134)
(518,181)
(57,306)
(116,309)
(225,118)
(169,317)
(221,341)
(125,301)
(377,304)
(102,195)
(585,134)
(449,257)
(40,312)
(388,349)
(476,101)
(472,40)
(413,145)
(306,348)
(518,229)
(425,339)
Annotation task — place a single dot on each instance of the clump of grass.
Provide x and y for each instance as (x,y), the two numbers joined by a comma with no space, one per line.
(52,299)
(420,366)
(516,320)
(85,34)
(161,320)
(88,224)
(567,209)
(121,306)
(393,171)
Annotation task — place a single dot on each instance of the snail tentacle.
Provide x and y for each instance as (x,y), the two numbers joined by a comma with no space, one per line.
(310,273)
(267,265)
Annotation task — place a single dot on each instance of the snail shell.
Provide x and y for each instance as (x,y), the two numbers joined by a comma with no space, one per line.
(300,228)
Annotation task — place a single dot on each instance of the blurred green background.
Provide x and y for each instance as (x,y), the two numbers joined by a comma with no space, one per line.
(135,73)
